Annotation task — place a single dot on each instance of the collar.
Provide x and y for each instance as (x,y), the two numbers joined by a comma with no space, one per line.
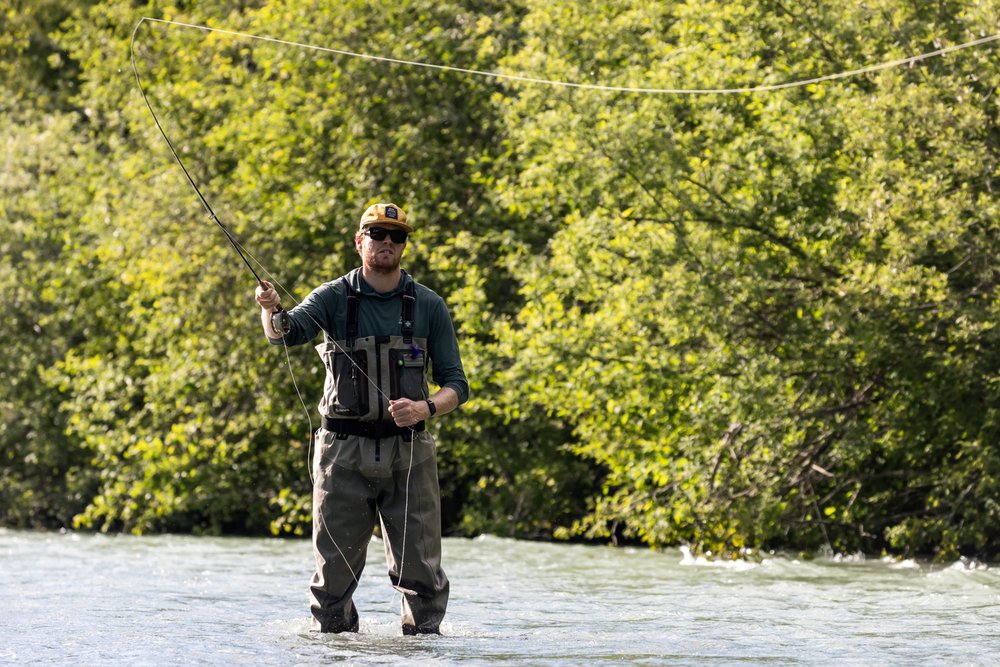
(361,285)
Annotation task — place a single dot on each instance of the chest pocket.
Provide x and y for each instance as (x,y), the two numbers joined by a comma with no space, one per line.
(364,374)
(348,387)
(407,376)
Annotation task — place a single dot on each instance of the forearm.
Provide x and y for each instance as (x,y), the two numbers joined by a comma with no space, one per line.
(267,325)
(446,360)
(445,400)
(269,301)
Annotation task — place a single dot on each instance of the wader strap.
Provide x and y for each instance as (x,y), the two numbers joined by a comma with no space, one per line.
(352,335)
(352,315)
(409,299)
(368,429)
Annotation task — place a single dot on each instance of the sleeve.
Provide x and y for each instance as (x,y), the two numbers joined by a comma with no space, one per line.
(446,361)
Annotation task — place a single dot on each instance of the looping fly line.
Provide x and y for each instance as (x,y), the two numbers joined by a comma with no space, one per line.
(588,86)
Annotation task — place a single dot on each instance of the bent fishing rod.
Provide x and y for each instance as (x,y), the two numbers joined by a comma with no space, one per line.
(180,163)
(279,319)
(277,310)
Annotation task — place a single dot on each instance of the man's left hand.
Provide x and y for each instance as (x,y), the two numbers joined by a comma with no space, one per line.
(408,413)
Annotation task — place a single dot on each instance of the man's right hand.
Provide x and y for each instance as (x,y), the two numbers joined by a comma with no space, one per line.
(267,296)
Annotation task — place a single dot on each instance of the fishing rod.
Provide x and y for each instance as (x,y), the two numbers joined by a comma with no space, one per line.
(187,174)
(279,320)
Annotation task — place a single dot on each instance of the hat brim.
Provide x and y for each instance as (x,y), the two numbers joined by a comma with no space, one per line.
(383,223)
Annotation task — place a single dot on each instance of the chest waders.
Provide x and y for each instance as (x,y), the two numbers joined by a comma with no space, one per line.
(367,469)
(364,374)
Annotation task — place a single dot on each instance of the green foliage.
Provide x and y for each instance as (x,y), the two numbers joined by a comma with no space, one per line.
(737,321)
(767,290)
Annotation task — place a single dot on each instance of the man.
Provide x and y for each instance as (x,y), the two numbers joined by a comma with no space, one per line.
(374,459)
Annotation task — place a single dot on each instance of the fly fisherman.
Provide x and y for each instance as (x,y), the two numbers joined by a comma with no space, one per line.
(374,458)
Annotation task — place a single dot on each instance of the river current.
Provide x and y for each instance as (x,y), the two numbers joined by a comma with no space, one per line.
(81,599)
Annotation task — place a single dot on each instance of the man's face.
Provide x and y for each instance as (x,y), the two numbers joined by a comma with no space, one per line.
(383,255)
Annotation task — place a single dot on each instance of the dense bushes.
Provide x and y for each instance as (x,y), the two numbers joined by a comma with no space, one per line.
(737,321)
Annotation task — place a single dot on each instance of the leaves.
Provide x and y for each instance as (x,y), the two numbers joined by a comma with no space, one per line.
(735,321)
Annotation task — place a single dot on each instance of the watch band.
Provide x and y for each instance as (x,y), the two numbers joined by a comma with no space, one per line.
(433,408)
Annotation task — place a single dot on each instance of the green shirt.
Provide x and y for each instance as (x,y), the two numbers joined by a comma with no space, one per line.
(379,314)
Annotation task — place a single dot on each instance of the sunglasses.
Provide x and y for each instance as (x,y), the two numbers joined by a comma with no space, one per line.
(379,234)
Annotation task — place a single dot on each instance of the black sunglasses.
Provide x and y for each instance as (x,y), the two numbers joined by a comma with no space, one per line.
(379,234)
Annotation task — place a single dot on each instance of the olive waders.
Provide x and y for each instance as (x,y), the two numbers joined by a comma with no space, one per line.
(368,469)
(358,480)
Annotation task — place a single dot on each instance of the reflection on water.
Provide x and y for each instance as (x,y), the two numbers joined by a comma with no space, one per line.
(94,599)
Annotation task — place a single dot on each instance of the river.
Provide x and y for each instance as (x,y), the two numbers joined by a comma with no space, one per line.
(81,599)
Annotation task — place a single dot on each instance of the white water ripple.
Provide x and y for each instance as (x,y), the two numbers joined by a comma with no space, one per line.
(97,600)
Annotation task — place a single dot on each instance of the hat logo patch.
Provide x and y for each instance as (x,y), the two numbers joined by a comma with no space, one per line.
(390,212)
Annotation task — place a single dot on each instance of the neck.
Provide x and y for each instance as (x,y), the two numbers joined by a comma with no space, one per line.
(381,281)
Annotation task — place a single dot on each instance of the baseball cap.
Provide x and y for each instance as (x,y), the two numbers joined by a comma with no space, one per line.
(385,214)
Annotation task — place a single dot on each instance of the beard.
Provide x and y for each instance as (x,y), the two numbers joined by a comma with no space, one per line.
(383,262)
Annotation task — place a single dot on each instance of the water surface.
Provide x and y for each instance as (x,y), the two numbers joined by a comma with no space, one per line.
(78,599)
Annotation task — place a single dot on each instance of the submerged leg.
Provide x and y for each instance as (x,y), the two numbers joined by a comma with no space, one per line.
(414,557)
(343,521)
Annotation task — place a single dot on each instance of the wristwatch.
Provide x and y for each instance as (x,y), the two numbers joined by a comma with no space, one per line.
(431,406)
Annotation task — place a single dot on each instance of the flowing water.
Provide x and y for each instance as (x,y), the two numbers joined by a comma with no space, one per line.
(77,599)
